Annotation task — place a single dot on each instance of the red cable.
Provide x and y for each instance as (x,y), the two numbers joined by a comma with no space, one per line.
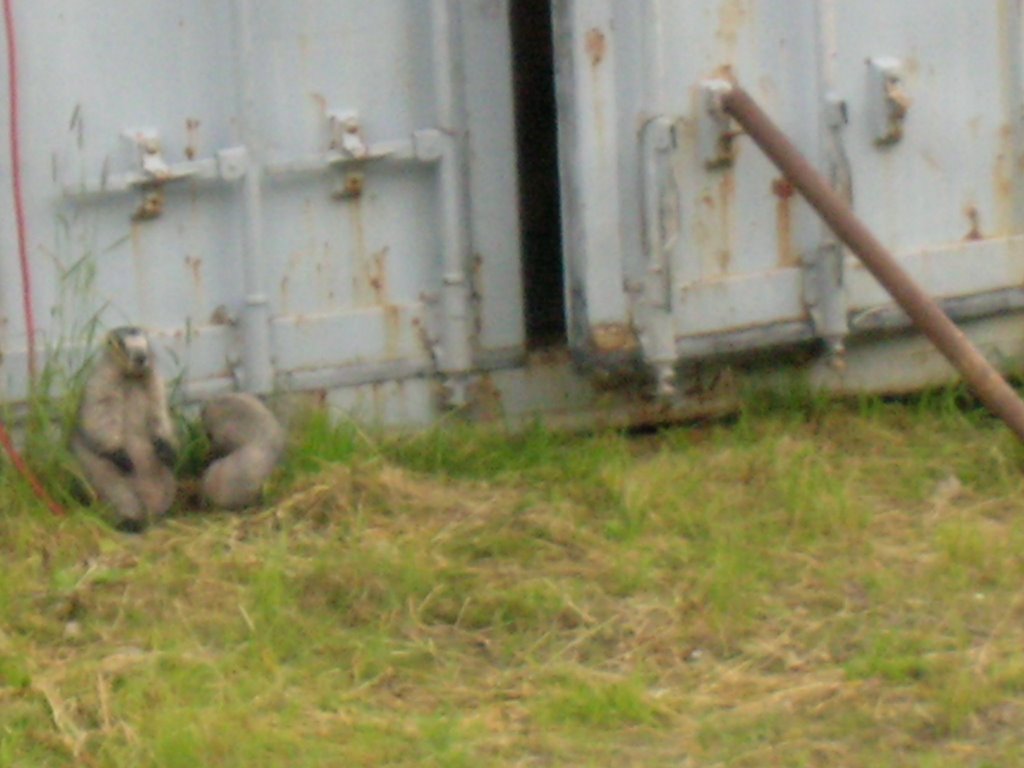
(23,469)
(26,273)
(19,203)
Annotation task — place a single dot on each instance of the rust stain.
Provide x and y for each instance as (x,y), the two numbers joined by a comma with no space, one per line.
(725,72)
(782,189)
(733,15)
(392,330)
(191,138)
(322,267)
(712,225)
(726,147)
(784,193)
(377,275)
(221,316)
(974,218)
(1007,186)
(1003,181)
(477,292)
(363,292)
(613,338)
(726,198)
(351,187)
(596,45)
(931,161)
(150,207)
(195,266)
(319,102)
(426,340)
(486,399)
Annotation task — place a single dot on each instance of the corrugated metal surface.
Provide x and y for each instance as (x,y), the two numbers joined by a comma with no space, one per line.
(341,209)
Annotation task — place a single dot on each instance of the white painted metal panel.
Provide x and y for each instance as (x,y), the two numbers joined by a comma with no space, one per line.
(951,177)
(692,250)
(86,77)
(397,263)
(346,216)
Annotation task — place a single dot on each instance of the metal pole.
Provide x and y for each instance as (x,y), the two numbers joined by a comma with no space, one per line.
(823,274)
(998,396)
(256,353)
(456,358)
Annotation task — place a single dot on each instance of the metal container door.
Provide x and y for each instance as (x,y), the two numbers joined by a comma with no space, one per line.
(683,242)
(289,196)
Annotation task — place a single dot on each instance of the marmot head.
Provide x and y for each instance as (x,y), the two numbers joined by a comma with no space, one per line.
(128,346)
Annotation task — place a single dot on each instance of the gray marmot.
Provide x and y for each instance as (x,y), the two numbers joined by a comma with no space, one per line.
(123,439)
(249,442)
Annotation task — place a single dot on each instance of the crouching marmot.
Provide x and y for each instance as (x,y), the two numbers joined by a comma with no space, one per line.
(249,441)
(124,440)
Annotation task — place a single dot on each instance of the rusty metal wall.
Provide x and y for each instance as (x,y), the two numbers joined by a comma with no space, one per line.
(282,192)
(322,195)
(682,241)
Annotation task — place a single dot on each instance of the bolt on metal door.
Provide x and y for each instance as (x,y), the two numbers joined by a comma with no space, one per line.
(683,242)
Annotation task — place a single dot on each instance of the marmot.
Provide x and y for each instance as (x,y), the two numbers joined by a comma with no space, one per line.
(123,439)
(249,442)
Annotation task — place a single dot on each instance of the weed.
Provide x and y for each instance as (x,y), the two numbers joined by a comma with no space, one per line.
(597,704)
(818,583)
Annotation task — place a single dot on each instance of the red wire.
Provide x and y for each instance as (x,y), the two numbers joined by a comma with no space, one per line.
(26,272)
(19,203)
(23,469)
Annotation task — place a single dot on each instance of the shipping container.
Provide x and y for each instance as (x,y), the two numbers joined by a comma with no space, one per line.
(509,208)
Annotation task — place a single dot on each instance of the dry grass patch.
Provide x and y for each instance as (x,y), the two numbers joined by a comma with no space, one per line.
(825,586)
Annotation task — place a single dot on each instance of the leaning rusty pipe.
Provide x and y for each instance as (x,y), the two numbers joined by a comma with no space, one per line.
(998,396)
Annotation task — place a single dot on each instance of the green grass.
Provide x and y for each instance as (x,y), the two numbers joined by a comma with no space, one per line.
(809,584)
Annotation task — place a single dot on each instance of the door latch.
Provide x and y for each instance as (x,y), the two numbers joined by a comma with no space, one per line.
(717,131)
(887,99)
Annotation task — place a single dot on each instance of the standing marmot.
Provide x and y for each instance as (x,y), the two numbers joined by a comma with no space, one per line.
(249,441)
(124,440)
